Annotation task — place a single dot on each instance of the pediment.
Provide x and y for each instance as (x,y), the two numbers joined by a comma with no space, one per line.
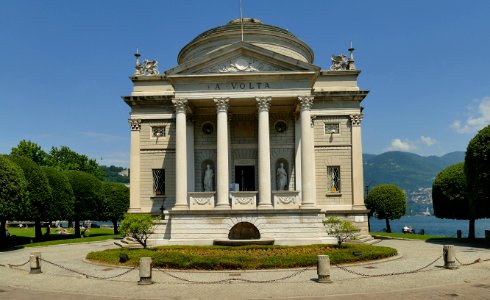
(241,58)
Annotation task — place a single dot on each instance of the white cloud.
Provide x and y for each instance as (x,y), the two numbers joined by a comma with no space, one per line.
(427,140)
(478,117)
(399,145)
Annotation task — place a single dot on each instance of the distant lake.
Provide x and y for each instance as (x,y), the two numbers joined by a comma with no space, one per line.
(432,225)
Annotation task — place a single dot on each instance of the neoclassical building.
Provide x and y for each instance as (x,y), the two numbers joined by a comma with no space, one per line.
(246,139)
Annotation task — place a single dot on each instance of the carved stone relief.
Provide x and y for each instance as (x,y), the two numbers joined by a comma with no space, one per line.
(241,64)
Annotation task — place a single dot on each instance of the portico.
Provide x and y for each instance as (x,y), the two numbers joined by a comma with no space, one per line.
(247,131)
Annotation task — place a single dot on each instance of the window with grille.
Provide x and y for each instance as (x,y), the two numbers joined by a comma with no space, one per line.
(158,131)
(333,174)
(159,181)
(332,128)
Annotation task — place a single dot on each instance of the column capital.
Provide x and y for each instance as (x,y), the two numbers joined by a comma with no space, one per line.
(263,103)
(135,124)
(306,102)
(356,119)
(180,105)
(222,104)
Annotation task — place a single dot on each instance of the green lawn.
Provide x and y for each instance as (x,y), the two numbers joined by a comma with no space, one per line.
(24,237)
(243,257)
(408,236)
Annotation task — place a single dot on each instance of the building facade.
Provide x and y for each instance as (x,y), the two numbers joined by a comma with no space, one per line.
(246,139)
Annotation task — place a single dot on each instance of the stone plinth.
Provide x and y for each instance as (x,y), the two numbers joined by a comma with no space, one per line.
(244,200)
(286,199)
(201,200)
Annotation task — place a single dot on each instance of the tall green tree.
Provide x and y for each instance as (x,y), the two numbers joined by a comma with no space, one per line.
(477,171)
(388,202)
(116,202)
(89,197)
(450,197)
(13,192)
(64,158)
(31,150)
(63,199)
(39,198)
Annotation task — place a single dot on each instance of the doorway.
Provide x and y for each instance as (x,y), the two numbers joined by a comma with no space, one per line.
(245,177)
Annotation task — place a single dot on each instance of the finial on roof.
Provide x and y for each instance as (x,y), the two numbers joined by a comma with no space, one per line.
(139,70)
(350,62)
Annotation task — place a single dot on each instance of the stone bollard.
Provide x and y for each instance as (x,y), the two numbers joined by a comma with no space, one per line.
(323,269)
(448,252)
(35,262)
(145,271)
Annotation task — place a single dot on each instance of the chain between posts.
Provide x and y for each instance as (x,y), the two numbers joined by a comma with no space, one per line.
(389,274)
(85,274)
(18,266)
(478,260)
(229,280)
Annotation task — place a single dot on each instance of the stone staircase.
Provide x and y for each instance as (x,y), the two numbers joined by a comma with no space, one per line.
(128,242)
(154,239)
(365,239)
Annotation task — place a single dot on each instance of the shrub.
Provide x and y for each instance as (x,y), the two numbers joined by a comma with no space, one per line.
(138,226)
(343,230)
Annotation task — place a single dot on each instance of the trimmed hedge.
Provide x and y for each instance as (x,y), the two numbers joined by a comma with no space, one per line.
(244,257)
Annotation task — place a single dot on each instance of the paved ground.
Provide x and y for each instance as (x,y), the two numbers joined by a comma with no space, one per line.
(434,282)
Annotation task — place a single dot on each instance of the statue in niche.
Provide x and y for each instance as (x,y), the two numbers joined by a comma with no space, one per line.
(208,179)
(281,178)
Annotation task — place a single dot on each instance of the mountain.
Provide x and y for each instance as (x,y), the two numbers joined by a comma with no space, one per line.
(412,172)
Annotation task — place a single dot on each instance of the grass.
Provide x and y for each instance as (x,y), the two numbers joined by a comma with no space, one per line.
(408,236)
(24,237)
(243,257)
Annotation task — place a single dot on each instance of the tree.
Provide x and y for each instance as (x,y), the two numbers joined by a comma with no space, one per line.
(477,171)
(39,198)
(31,150)
(66,159)
(13,192)
(89,195)
(343,230)
(63,203)
(449,195)
(388,202)
(116,202)
(138,226)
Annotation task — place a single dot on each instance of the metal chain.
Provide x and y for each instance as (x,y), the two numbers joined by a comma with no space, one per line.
(388,274)
(229,280)
(85,274)
(471,263)
(17,266)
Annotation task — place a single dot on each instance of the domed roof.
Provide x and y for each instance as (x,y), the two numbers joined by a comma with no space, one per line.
(255,32)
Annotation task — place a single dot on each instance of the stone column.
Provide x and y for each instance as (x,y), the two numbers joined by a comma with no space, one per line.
(308,170)
(222,170)
(357,169)
(134,165)
(264,154)
(180,154)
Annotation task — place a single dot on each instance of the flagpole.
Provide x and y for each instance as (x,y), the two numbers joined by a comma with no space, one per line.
(241,17)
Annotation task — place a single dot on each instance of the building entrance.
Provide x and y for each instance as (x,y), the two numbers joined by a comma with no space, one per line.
(245,177)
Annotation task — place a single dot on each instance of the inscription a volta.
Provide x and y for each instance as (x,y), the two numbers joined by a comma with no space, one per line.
(239,86)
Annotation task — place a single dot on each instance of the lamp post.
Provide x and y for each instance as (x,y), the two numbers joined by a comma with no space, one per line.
(162,210)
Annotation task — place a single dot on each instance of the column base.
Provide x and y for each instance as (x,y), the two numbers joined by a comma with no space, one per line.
(222,206)
(307,205)
(133,210)
(180,207)
(265,206)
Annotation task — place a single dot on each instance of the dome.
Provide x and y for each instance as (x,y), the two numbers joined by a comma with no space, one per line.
(255,32)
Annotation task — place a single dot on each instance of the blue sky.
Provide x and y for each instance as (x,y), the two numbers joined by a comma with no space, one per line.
(65,64)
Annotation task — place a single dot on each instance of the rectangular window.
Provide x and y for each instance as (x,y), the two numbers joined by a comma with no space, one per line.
(332,128)
(159,181)
(158,131)
(333,174)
